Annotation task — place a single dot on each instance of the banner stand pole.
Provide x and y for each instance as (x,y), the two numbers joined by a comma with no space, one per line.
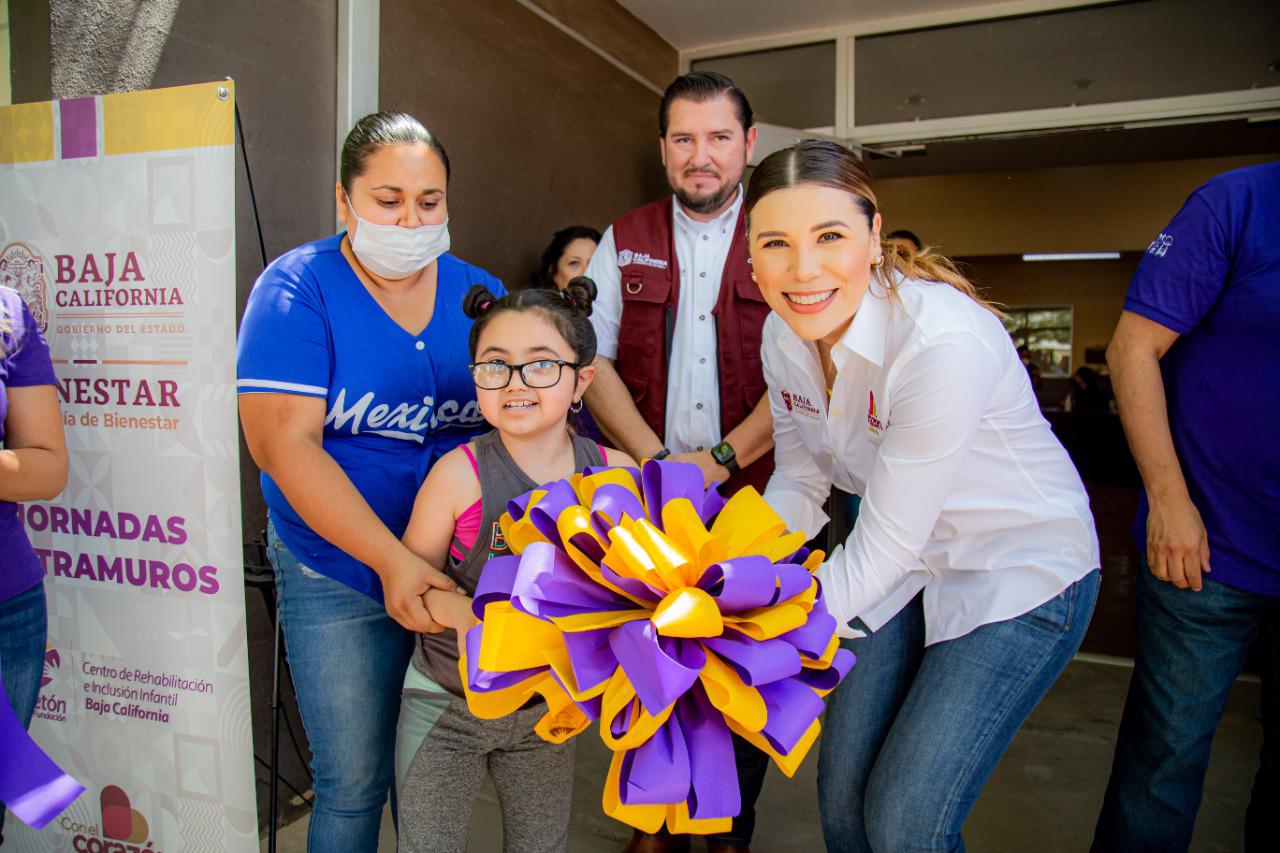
(273,809)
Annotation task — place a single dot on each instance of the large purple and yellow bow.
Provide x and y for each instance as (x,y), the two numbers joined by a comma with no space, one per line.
(621,605)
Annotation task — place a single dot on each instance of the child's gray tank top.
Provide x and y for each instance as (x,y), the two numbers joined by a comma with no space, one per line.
(501,480)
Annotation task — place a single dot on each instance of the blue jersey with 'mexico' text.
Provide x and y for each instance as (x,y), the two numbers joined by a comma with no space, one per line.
(395,402)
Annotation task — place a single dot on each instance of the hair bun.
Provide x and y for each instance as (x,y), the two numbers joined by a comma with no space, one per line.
(580,292)
(478,301)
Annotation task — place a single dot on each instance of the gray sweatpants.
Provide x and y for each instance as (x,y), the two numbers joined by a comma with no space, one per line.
(534,780)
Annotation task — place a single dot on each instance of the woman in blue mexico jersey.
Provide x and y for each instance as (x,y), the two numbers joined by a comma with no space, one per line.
(353,381)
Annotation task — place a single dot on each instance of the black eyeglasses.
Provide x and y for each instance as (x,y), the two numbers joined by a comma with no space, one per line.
(543,373)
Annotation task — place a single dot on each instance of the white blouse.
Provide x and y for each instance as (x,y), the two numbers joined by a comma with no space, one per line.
(967,493)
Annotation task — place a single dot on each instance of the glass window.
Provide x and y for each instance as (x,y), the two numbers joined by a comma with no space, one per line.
(1046,333)
(1092,55)
(790,86)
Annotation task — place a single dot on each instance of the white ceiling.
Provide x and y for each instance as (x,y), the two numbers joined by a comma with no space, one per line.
(692,24)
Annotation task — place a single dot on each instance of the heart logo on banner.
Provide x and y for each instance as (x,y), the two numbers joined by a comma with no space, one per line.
(119,819)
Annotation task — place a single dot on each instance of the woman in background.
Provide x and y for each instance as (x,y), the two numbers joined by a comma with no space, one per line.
(565,257)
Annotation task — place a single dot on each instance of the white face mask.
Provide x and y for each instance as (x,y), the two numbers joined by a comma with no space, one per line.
(394,252)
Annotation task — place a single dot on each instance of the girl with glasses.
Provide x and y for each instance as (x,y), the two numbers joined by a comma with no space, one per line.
(531,363)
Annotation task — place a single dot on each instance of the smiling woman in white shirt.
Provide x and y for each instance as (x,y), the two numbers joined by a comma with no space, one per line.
(969,579)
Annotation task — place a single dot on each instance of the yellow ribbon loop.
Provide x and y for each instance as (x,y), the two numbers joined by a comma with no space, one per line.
(746,521)
(513,640)
(688,612)
(640,723)
(669,561)
(788,763)
(685,528)
(731,695)
(586,487)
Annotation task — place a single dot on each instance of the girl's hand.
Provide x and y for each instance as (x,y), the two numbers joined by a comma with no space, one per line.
(452,610)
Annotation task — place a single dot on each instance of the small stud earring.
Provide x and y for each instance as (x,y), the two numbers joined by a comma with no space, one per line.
(753,278)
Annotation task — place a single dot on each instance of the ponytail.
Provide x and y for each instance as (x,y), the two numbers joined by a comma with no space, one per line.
(925,265)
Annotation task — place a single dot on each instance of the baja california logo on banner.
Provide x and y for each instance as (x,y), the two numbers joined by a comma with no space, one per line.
(23,270)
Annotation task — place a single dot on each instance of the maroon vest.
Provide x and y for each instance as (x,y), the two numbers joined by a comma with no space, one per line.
(650,293)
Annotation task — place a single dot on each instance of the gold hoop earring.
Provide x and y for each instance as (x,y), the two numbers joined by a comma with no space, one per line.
(878,262)
(575,406)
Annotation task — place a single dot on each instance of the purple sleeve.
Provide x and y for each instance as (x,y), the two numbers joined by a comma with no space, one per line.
(1185,268)
(29,362)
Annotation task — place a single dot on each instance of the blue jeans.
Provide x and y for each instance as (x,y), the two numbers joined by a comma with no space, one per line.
(913,733)
(1189,649)
(347,658)
(23,626)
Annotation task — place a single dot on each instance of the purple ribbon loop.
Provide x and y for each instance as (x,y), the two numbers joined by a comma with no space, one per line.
(591,657)
(714,791)
(496,582)
(660,669)
(657,771)
(814,635)
(545,513)
(31,785)
(827,679)
(745,583)
(792,707)
(613,502)
(548,584)
(664,482)
(756,662)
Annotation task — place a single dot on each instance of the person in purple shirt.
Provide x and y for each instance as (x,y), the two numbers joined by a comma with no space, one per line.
(1196,375)
(33,466)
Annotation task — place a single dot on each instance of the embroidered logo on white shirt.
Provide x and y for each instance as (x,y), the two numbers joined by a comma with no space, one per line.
(626,257)
(873,422)
(799,404)
(1160,245)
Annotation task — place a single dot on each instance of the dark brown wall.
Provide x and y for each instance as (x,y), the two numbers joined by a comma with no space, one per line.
(30,51)
(286,91)
(542,132)
(621,34)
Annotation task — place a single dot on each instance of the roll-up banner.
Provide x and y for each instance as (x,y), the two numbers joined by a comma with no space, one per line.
(117,227)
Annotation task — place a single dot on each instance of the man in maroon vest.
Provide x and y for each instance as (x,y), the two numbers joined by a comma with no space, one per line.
(678,323)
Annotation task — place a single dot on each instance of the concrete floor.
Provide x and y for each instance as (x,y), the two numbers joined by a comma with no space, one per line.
(1044,796)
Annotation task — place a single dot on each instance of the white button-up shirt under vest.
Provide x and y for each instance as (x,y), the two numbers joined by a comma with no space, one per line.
(693,381)
(967,493)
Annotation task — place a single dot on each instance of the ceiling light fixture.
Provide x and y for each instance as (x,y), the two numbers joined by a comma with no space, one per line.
(1072,256)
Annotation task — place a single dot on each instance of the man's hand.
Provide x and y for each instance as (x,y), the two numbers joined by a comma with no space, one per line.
(451,610)
(1177,545)
(712,471)
(404,586)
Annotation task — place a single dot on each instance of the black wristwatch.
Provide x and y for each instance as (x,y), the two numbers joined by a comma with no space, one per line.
(724,455)
(661,454)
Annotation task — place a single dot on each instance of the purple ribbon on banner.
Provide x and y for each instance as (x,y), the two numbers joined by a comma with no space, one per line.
(31,785)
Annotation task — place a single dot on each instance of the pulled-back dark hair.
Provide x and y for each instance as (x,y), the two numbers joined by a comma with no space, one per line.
(821,163)
(551,255)
(701,86)
(380,129)
(567,310)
